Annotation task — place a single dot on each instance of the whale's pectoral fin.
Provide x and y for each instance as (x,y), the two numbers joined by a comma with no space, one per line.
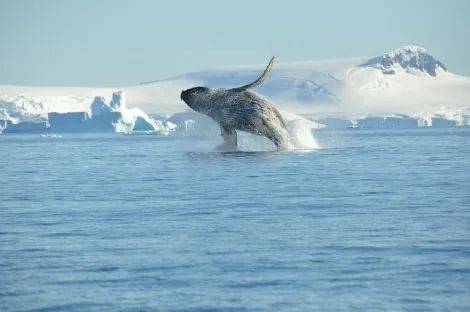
(230,138)
(258,81)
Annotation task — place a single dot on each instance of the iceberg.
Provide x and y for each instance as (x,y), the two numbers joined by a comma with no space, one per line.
(335,122)
(21,108)
(141,124)
(398,121)
(442,122)
(98,107)
(67,122)
(23,115)
(26,127)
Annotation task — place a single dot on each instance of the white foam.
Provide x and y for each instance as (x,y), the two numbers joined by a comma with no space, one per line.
(301,131)
(50,136)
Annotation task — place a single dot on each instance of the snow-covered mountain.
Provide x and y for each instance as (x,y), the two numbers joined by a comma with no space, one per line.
(405,82)
(414,60)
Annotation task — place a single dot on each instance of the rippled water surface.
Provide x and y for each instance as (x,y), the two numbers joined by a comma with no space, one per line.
(373,221)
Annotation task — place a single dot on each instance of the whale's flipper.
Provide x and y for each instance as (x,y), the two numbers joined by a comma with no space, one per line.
(230,138)
(258,81)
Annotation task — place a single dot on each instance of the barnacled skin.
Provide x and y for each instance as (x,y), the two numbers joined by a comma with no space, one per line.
(238,109)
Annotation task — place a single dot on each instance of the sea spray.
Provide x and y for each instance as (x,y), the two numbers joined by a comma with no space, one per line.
(301,131)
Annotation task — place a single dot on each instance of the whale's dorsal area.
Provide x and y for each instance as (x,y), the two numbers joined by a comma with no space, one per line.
(258,81)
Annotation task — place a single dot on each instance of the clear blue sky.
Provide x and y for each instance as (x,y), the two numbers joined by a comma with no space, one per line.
(113,43)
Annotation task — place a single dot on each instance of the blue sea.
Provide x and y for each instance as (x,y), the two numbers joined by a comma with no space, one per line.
(373,220)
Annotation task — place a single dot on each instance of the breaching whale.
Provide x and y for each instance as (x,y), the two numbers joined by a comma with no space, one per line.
(239,109)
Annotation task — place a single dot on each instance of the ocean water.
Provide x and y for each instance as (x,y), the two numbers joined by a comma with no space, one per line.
(373,220)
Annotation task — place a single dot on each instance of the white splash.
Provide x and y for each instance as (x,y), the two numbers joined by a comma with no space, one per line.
(301,131)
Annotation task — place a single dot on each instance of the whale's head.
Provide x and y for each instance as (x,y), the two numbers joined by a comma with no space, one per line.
(196,98)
